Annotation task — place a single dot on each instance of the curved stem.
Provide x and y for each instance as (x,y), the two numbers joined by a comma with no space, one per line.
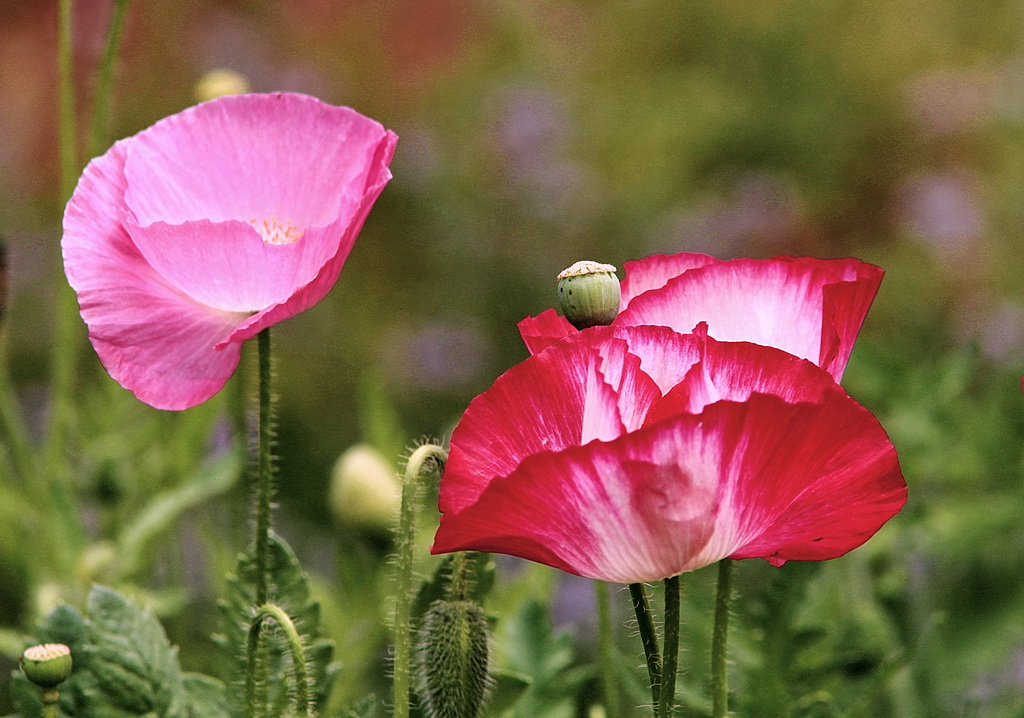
(606,645)
(719,641)
(105,80)
(427,455)
(264,469)
(295,647)
(668,688)
(648,637)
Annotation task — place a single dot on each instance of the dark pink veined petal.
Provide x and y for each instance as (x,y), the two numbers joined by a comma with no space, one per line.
(801,305)
(545,329)
(593,385)
(760,478)
(732,371)
(654,272)
(151,338)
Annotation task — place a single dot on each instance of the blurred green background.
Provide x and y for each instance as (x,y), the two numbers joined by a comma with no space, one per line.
(536,133)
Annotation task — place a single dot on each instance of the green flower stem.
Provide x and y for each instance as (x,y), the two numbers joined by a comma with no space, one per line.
(427,456)
(295,647)
(50,699)
(606,647)
(105,79)
(666,705)
(719,640)
(66,95)
(648,636)
(264,469)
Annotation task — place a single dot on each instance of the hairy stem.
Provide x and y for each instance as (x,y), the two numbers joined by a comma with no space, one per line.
(264,469)
(295,647)
(666,705)
(719,641)
(648,636)
(606,646)
(427,456)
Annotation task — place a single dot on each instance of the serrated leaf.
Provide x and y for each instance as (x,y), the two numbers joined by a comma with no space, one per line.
(207,697)
(289,589)
(481,572)
(368,707)
(543,660)
(124,665)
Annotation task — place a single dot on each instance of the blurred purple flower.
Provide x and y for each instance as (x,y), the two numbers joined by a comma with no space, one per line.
(943,209)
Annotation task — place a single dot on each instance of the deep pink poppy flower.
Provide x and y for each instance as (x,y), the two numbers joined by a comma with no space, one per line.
(194,235)
(636,453)
(812,308)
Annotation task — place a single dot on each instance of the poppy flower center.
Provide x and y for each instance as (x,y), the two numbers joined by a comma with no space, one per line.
(274,231)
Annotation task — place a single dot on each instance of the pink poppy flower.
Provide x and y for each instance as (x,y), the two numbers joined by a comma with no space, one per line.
(194,235)
(633,454)
(811,308)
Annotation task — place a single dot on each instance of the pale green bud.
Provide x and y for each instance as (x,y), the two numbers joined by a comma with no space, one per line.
(218,83)
(47,665)
(365,492)
(589,294)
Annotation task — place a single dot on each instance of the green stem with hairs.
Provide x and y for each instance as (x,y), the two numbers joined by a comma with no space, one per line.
(264,468)
(666,705)
(295,647)
(427,456)
(98,139)
(648,637)
(719,641)
(606,647)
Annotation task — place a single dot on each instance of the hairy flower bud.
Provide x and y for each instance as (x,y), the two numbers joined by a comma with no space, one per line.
(47,665)
(589,294)
(452,660)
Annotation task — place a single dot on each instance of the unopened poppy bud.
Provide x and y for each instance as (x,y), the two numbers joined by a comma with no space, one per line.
(218,83)
(365,492)
(47,665)
(452,660)
(589,293)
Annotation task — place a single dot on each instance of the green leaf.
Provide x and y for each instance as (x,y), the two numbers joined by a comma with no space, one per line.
(288,588)
(207,697)
(368,707)
(543,660)
(123,664)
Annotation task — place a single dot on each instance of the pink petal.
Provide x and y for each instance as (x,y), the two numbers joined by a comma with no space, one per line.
(240,212)
(150,337)
(593,385)
(761,478)
(253,157)
(656,271)
(545,329)
(792,304)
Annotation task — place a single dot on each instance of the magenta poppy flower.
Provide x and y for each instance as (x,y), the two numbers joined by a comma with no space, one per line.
(194,235)
(633,454)
(811,308)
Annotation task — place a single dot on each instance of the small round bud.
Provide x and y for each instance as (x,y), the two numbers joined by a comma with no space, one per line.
(47,665)
(589,293)
(365,492)
(218,83)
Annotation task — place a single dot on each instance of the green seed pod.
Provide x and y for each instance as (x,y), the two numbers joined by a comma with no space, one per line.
(47,665)
(589,294)
(452,660)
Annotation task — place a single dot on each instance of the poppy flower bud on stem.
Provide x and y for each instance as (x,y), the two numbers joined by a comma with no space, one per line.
(589,294)
(47,665)
(452,660)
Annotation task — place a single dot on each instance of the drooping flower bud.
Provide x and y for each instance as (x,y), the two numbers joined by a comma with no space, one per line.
(218,83)
(589,293)
(47,665)
(452,660)
(365,492)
